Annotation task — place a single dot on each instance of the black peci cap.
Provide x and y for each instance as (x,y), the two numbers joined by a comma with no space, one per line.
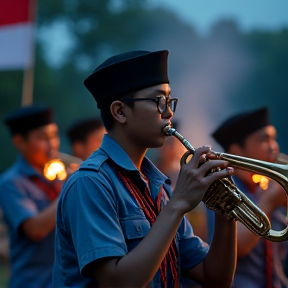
(80,129)
(27,118)
(237,127)
(127,72)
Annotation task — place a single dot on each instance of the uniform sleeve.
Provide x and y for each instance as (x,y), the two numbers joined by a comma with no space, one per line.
(15,204)
(191,248)
(90,216)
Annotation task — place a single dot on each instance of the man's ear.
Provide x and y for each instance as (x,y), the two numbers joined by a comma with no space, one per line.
(78,149)
(235,149)
(18,141)
(117,111)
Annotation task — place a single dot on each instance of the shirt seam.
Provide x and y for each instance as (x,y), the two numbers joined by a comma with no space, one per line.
(101,252)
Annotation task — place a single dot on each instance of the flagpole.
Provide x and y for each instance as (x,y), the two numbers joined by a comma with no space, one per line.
(28,76)
(27,89)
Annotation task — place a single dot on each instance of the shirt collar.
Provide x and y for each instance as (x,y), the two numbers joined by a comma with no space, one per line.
(120,157)
(25,167)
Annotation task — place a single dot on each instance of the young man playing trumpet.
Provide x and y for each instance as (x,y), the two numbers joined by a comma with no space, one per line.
(116,226)
(250,134)
(28,200)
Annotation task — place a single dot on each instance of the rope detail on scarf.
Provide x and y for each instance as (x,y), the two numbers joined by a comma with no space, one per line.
(52,191)
(151,211)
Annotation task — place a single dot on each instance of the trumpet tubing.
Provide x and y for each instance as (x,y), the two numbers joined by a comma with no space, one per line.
(224,196)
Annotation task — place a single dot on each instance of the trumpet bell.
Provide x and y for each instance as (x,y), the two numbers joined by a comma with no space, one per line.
(62,167)
(55,169)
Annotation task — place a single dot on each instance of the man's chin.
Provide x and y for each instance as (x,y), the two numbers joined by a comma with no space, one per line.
(272,159)
(160,143)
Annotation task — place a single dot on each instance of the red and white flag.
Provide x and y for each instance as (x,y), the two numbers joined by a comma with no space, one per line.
(16,34)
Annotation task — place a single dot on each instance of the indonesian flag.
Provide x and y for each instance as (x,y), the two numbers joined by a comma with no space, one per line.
(16,34)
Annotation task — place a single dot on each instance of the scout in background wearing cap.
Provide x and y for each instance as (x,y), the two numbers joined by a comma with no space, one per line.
(115,225)
(250,134)
(85,136)
(28,200)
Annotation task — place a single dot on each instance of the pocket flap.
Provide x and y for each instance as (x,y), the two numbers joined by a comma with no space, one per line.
(135,228)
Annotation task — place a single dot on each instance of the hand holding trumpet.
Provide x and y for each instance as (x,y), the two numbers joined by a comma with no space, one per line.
(194,178)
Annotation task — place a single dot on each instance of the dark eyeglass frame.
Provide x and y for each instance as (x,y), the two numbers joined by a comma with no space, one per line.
(172,102)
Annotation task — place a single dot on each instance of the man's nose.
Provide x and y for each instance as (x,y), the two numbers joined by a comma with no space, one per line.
(274,147)
(167,114)
(53,143)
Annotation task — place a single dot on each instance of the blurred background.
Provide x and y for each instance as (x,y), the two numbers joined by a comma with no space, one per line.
(225,57)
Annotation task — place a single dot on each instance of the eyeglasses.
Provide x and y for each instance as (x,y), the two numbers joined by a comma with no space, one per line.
(162,102)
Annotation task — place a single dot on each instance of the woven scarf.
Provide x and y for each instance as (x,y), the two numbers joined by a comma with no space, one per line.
(151,210)
(52,190)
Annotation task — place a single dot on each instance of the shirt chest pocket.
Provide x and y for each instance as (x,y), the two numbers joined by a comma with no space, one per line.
(134,231)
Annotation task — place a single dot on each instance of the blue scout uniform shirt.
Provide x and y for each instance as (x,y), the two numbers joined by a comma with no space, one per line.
(20,199)
(97,217)
(251,269)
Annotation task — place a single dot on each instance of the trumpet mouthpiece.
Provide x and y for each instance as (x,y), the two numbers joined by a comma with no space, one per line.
(168,130)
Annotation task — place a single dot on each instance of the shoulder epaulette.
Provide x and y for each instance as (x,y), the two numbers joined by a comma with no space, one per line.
(95,161)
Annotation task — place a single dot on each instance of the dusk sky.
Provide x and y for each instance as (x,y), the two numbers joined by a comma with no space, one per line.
(214,65)
(268,14)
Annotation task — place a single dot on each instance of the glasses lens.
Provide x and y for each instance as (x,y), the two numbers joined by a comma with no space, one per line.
(162,104)
(172,104)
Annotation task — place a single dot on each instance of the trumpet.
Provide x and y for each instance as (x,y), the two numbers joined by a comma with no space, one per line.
(61,167)
(282,158)
(224,196)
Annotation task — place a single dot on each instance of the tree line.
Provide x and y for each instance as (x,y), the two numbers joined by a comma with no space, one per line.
(99,29)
